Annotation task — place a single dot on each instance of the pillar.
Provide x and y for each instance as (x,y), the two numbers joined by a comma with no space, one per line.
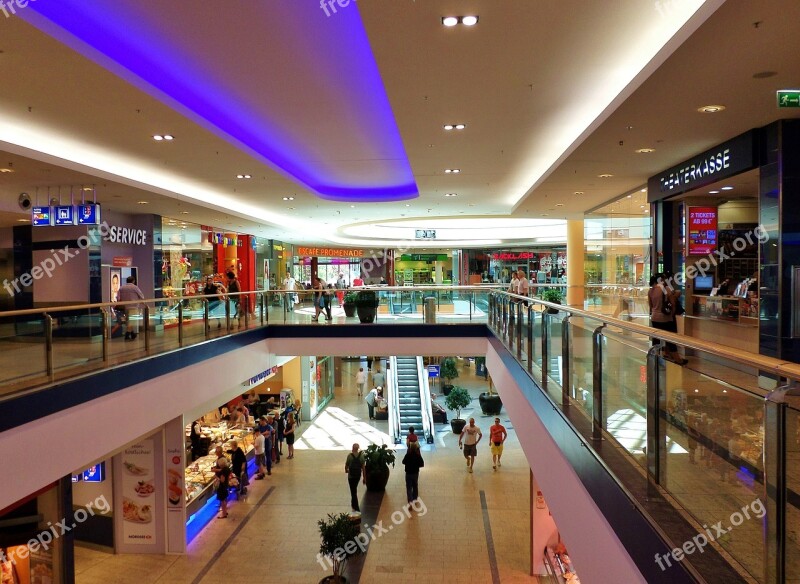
(390,267)
(231,254)
(575,259)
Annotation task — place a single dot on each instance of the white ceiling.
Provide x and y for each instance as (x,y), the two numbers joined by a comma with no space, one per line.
(519,80)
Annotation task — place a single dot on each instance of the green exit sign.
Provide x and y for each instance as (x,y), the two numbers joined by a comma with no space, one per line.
(789,98)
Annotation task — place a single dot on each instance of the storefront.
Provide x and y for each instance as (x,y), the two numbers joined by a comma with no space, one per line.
(424,269)
(723,224)
(550,560)
(542,266)
(327,263)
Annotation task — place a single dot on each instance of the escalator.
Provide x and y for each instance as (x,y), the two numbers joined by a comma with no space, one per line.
(410,399)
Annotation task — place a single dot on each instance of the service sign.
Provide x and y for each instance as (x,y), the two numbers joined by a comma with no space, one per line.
(95,474)
(41,216)
(88,214)
(64,215)
(701,230)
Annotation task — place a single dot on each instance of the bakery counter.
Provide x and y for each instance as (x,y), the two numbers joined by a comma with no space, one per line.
(559,567)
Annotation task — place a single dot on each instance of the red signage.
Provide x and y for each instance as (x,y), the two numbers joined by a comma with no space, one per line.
(701,230)
(523,255)
(122,262)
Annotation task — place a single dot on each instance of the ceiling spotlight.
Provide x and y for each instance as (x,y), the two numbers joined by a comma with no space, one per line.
(710,109)
(158,137)
(645,150)
(454,126)
(6,170)
(243,176)
(643,191)
(714,192)
(142,202)
(578,192)
(288,198)
(184,212)
(451,194)
(407,205)
(460,126)
(452,170)
(449,20)
(23,220)
(726,189)
(449,126)
(604,175)
(352,206)
(168,137)
(559,204)
(469,20)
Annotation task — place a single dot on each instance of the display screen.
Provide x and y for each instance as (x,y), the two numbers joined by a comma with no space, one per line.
(701,230)
(88,214)
(703,282)
(41,216)
(64,215)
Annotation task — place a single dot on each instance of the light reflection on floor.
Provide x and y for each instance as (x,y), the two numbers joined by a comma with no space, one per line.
(630,430)
(336,429)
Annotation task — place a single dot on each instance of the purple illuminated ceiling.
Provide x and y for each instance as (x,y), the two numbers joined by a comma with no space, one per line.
(298,89)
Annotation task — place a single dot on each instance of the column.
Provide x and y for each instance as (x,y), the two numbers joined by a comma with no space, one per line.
(390,267)
(575,259)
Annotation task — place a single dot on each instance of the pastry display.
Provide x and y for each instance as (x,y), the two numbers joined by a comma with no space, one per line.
(136,513)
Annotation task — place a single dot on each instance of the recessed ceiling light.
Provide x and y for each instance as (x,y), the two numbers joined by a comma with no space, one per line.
(764,74)
(407,205)
(23,220)
(641,206)
(710,109)
(604,175)
(451,194)
(168,137)
(726,189)
(158,137)
(290,208)
(643,191)
(449,126)
(87,189)
(645,150)
(288,198)
(449,20)
(184,212)
(142,202)
(243,176)
(469,20)
(452,170)
(545,215)
(714,192)
(559,204)
(460,126)
(6,170)
(578,192)
(629,196)
(352,206)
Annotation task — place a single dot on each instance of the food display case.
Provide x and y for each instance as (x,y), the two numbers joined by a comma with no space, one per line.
(200,473)
(559,567)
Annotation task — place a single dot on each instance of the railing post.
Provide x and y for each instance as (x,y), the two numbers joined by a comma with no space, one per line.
(775,467)
(228,314)
(244,301)
(471,298)
(598,420)
(180,323)
(48,345)
(206,319)
(518,329)
(106,332)
(263,307)
(529,348)
(146,324)
(545,348)
(656,438)
(566,357)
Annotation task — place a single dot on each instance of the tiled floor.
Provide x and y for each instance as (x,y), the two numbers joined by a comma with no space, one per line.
(273,535)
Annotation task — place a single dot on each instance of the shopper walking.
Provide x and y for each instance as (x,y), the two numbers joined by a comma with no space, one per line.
(470,436)
(361,381)
(662,299)
(497,436)
(130,291)
(288,433)
(234,288)
(289,285)
(372,401)
(355,469)
(260,452)
(413,462)
(378,378)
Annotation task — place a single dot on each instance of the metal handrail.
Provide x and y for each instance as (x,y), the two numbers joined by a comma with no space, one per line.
(393,399)
(428,427)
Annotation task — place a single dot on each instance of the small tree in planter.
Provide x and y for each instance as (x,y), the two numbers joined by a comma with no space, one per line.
(458,399)
(448,371)
(376,465)
(350,303)
(367,305)
(552,295)
(490,401)
(336,532)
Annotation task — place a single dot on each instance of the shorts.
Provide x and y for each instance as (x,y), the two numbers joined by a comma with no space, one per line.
(261,460)
(470,450)
(496,449)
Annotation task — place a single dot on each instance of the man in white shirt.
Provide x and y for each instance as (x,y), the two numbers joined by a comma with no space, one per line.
(361,381)
(523,286)
(289,285)
(470,436)
(261,459)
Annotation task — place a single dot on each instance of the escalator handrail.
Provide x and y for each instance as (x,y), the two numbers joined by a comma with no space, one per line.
(393,399)
(425,401)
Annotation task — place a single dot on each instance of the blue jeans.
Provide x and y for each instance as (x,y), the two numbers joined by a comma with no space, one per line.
(412,486)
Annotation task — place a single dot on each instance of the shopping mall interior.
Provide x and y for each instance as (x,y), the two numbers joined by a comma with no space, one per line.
(210,214)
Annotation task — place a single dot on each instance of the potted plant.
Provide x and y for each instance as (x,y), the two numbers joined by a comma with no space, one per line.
(367,305)
(448,371)
(337,531)
(458,399)
(490,401)
(350,303)
(376,465)
(552,295)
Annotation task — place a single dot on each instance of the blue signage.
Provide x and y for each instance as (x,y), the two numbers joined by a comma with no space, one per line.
(88,214)
(64,215)
(433,370)
(41,216)
(95,474)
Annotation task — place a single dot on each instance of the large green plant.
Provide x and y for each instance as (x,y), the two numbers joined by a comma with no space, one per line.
(336,532)
(458,399)
(552,295)
(378,458)
(350,297)
(448,370)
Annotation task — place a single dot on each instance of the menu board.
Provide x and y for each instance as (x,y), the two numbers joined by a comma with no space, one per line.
(701,230)
(139,493)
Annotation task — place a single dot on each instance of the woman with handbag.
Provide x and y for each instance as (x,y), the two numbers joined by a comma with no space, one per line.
(662,299)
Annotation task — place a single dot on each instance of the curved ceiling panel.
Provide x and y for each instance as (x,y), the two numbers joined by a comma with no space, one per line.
(239,68)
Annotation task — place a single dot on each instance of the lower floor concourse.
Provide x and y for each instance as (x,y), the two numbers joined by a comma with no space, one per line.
(470,527)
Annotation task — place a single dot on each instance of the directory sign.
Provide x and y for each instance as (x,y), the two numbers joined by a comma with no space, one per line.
(64,215)
(88,214)
(701,230)
(41,216)
(95,474)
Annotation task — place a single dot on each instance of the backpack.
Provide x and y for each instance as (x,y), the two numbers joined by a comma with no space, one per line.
(356,464)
